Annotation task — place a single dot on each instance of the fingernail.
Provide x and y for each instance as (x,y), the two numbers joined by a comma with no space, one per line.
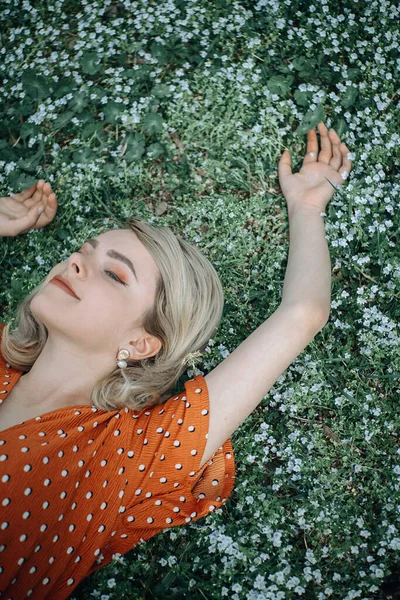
(41,209)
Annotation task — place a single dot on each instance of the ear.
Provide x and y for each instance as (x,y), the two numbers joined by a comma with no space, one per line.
(144,347)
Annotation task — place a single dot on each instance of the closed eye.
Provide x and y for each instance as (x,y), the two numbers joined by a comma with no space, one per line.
(109,273)
(116,278)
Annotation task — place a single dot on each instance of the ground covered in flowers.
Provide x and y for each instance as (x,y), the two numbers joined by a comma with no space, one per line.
(177,111)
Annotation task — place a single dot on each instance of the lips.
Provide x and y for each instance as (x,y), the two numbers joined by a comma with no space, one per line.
(64,284)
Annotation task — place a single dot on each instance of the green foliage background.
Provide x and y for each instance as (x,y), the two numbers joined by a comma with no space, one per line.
(178,111)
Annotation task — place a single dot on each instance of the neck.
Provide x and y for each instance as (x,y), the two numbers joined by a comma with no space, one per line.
(61,377)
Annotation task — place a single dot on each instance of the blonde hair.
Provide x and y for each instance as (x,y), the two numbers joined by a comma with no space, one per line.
(186,312)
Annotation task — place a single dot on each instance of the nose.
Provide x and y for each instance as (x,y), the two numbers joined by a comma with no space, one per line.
(77,265)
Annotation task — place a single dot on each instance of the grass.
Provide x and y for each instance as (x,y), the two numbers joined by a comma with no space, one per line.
(178,112)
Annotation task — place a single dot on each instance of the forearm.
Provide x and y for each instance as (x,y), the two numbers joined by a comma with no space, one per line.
(308,274)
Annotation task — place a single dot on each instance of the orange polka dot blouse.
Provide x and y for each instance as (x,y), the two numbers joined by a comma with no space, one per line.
(80,484)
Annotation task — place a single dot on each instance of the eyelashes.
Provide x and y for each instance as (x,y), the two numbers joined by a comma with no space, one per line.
(109,273)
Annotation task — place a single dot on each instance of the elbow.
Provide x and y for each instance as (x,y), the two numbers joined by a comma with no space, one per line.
(323,318)
(316,315)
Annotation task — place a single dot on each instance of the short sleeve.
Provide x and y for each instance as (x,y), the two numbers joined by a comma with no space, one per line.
(178,490)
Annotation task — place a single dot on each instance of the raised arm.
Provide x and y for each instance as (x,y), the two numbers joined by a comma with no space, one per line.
(239,383)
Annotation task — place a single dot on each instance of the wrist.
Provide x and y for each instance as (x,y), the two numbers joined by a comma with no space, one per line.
(305,208)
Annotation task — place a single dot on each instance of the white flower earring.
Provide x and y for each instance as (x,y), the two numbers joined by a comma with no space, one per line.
(122,355)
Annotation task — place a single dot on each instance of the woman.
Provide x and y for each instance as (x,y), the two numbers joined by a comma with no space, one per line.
(95,454)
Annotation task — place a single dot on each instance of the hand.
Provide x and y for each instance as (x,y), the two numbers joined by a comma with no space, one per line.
(20,213)
(310,187)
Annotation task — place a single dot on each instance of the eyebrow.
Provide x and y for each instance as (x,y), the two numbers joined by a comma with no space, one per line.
(114,254)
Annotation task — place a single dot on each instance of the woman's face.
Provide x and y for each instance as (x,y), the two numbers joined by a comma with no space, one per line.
(115,279)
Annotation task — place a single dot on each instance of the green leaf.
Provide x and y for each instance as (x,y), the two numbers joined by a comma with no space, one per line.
(64,86)
(112,112)
(78,102)
(161,90)
(29,130)
(349,97)
(109,169)
(278,84)
(135,147)
(155,150)
(304,65)
(90,62)
(65,118)
(340,127)
(83,156)
(35,85)
(153,123)
(159,51)
(92,128)
(21,181)
(7,154)
(30,164)
(3,144)
(302,98)
(311,119)
(63,234)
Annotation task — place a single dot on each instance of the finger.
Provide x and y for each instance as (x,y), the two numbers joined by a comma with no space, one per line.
(336,160)
(284,165)
(47,189)
(49,212)
(326,149)
(347,164)
(24,224)
(22,196)
(312,147)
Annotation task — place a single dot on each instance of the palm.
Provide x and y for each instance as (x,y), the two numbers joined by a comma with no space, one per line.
(312,185)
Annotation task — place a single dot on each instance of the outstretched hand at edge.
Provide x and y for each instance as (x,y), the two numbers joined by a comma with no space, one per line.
(33,208)
(312,185)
